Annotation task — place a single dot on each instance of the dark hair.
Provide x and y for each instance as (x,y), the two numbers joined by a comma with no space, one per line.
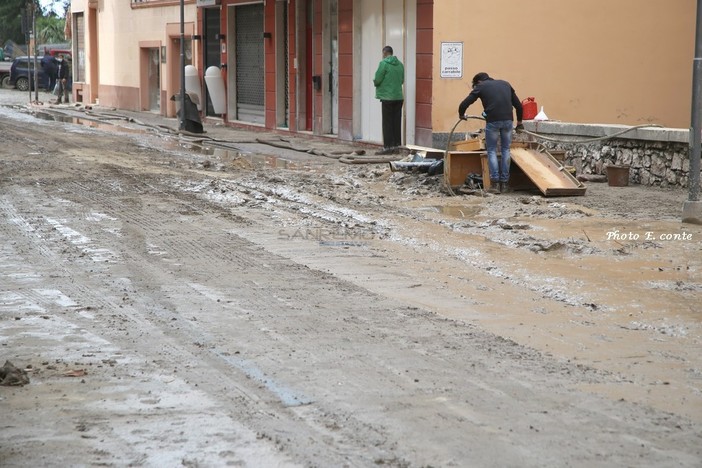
(387,49)
(482,76)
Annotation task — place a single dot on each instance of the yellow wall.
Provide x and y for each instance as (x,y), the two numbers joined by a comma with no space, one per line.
(587,61)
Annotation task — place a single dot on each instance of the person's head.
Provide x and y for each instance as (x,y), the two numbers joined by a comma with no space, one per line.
(387,51)
(480,77)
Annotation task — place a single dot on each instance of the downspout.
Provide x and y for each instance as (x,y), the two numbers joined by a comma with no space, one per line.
(692,209)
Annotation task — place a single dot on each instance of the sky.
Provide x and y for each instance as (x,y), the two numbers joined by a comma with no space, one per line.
(57,5)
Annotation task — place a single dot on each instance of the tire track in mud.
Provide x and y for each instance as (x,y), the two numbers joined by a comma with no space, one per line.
(389,384)
(562,295)
(341,418)
(383,368)
(112,319)
(124,322)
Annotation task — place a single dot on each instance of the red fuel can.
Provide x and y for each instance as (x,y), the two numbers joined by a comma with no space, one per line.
(530,108)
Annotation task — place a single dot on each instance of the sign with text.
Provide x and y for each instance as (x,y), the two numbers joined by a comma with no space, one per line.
(451,60)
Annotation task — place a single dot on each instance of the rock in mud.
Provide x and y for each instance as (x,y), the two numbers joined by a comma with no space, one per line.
(12,376)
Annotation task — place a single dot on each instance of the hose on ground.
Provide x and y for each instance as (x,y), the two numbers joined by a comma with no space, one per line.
(447,184)
(590,140)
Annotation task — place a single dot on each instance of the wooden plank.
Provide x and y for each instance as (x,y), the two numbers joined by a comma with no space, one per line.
(474,144)
(461,163)
(433,153)
(550,176)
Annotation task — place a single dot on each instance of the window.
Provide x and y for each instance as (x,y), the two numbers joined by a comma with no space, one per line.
(79,34)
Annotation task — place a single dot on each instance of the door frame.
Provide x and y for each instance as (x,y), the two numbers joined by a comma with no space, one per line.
(145,48)
(371,34)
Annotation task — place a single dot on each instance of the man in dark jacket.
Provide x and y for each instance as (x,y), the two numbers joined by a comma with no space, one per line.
(388,82)
(498,99)
(64,73)
(50,66)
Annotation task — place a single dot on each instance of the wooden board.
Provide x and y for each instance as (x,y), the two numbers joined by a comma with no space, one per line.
(459,164)
(550,176)
(431,153)
(474,144)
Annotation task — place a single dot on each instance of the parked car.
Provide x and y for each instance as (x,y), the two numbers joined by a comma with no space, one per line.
(24,66)
(5,73)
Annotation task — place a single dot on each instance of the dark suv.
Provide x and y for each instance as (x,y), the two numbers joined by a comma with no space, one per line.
(18,74)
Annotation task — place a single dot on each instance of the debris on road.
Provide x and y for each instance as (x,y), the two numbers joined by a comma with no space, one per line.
(12,376)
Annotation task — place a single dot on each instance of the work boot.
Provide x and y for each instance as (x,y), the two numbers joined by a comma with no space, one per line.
(504,187)
(384,152)
(494,187)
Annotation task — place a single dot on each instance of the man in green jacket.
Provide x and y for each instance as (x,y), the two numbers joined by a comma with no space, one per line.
(388,82)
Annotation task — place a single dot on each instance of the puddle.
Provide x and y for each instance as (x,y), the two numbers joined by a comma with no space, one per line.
(86,122)
(455,211)
(243,157)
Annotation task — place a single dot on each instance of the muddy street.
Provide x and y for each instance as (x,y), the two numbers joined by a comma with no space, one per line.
(220,301)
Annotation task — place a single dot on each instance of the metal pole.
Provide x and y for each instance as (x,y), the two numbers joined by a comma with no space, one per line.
(36,72)
(182,64)
(696,124)
(30,34)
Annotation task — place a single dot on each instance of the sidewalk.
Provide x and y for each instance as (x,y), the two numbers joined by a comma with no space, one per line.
(314,145)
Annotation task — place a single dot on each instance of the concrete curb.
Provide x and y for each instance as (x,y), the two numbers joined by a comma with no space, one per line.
(667,135)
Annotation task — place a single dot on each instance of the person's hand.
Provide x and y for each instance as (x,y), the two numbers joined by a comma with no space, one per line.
(463,117)
(519,128)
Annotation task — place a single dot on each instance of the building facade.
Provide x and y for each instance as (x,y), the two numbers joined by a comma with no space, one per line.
(306,66)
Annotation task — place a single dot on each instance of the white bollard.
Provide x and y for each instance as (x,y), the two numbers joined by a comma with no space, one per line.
(215,86)
(192,85)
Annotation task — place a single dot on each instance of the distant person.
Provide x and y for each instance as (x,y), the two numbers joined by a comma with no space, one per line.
(388,82)
(64,75)
(498,99)
(50,66)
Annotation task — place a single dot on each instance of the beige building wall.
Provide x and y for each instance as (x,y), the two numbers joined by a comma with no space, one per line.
(587,61)
(122,32)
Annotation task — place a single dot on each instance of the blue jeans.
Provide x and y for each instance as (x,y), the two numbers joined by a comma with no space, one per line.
(501,129)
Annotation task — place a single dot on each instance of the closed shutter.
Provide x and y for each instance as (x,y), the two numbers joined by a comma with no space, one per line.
(250,63)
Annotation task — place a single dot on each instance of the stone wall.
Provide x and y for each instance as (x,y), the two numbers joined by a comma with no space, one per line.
(656,156)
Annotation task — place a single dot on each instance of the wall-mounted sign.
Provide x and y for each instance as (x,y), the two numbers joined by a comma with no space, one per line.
(207,3)
(451,60)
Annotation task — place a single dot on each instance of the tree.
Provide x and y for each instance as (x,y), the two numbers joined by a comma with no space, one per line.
(49,26)
(10,20)
(50,30)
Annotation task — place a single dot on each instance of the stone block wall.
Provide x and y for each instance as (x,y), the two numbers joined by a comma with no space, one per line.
(656,156)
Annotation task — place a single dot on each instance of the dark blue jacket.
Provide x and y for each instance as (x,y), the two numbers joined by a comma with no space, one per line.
(498,98)
(50,65)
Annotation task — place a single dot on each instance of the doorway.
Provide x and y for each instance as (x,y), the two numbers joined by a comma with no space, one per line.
(211,54)
(309,61)
(393,23)
(246,77)
(154,71)
(331,56)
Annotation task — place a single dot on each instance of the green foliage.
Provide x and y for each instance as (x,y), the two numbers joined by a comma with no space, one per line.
(10,25)
(50,30)
(49,26)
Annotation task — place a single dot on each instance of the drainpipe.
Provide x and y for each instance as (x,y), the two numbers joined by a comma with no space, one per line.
(692,209)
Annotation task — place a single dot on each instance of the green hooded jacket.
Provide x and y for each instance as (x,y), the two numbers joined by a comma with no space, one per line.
(389,79)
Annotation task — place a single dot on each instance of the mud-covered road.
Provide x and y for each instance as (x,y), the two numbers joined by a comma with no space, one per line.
(233,303)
